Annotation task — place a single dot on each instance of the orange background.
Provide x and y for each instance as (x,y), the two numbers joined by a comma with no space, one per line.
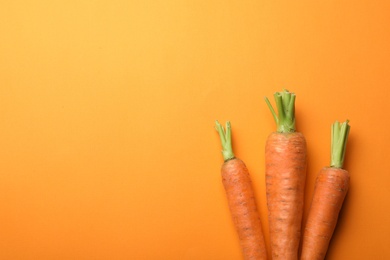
(107,109)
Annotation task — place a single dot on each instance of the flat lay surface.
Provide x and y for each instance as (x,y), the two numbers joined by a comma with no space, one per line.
(107,110)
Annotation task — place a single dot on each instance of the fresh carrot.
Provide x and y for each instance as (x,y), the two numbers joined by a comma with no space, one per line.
(331,187)
(241,199)
(285,170)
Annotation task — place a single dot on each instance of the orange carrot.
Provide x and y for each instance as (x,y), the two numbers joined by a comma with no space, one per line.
(331,187)
(241,199)
(285,170)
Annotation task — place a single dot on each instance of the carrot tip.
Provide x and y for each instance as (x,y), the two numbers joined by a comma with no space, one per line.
(339,136)
(285,104)
(226,139)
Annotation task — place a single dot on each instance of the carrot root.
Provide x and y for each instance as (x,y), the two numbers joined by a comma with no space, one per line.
(241,199)
(285,159)
(330,190)
(331,187)
(242,205)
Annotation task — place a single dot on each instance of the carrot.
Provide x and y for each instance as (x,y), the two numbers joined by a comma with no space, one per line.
(285,170)
(331,187)
(241,199)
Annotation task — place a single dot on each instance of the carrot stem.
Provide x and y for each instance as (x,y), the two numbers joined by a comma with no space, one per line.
(339,138)
(285,104)
(226,140)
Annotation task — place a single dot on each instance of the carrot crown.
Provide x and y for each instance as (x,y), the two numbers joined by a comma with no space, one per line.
(226,140)
(339,138)
(285,103)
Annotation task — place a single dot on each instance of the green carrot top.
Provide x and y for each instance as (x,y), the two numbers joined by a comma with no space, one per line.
(285,103)
(226,140)
(339,138)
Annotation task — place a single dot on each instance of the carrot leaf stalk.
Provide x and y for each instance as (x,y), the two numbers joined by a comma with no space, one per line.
(226,140)
(339,138)
(285,104)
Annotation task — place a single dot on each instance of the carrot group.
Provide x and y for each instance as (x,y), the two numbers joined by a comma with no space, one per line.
(285,172)
(331,187)
(241,199)
(285,177)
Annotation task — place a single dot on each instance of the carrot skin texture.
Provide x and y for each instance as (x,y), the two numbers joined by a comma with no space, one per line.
(331,187)
(285,165)
(242,205)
